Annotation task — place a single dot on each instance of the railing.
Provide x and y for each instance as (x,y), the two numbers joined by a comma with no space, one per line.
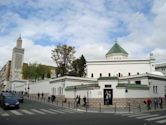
(98,106)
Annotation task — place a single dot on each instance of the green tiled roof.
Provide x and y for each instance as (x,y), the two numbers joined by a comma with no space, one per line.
(133,86)
(82,87)
(116,49)
(108,78)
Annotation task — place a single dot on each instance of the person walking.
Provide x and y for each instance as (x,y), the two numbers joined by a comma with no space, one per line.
(38,95)
(161,102)
(84,100)
(149,104)
(42,95)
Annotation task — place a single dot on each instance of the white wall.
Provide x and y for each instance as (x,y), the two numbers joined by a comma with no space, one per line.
(123,67)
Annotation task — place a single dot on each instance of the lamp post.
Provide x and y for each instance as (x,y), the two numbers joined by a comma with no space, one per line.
(28,90)
(75,89)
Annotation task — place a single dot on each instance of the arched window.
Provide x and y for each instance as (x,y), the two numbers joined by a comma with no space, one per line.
(92,75)
(100,75)
(109,74)
(137,73)
(129,74)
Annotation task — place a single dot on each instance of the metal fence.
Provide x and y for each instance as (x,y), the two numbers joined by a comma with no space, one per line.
(98,106)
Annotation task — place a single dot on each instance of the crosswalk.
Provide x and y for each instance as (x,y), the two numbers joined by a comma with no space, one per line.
(41,111)
(157,118)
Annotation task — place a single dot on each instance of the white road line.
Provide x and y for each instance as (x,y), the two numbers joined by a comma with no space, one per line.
(155,118)
(57,111)
(16,112)
(147,116)
(124,114)
(68,111)
(37,111)
(137,115)
(5,114)
(161,121)
(27,112)
(47,111)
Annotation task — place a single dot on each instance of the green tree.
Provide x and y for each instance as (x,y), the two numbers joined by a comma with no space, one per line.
(63,55)
(35,72)
(78,66)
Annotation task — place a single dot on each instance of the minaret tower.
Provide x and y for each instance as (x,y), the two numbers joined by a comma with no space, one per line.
(17,61)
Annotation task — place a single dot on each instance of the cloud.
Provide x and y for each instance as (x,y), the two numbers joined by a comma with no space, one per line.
(90,26)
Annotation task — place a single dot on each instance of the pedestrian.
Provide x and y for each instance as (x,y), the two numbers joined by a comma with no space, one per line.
(38,95)
(149,104)
(53,98)
(48,98)
(155,103)
(161,102)
(42,95)
(84,100)
(79,99)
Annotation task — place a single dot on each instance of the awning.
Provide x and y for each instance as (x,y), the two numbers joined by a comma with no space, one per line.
(82,87)
(133,86)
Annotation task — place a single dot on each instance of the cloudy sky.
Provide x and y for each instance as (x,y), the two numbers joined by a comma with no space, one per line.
(90,25)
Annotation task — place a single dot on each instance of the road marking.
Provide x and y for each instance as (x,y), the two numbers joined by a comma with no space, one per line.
(37,111)
(16,112)
(5,114)
(27,112)
(156,118)
(162,121)
(57,111)
(47,111)
(147,116)
(137,115)
(124,114)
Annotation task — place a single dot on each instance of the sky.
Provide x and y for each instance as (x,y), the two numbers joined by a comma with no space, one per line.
(91,26)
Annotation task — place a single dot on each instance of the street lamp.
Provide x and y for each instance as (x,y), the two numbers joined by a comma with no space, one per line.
(28,90)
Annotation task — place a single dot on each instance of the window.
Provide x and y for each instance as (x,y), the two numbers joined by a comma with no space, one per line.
(155,89)
(129,74)
(137,73)
(100,75)
(109,74)
(92,75)
(138,82)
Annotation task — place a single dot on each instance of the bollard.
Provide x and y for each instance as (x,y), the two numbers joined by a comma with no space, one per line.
(69,104)
(139,107)
(115,108)
(129,107)
(100,107)
(62,103)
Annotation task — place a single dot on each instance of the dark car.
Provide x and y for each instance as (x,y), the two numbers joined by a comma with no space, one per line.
(19,97)
(8,100)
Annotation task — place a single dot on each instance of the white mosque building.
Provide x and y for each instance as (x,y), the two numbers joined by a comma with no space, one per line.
(117,79)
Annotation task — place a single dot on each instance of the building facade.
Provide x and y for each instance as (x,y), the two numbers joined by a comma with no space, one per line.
(116,80)
(161,67)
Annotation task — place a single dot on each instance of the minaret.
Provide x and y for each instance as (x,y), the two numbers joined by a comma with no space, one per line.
(17,61)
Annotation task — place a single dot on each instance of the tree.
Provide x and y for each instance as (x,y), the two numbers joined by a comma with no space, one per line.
(82,68)
(78,66)
(36,71)
(63,55)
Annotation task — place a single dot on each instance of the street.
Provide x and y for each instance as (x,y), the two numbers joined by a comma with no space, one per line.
(33,113)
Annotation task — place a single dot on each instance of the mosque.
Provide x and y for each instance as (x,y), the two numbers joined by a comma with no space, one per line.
(117,79)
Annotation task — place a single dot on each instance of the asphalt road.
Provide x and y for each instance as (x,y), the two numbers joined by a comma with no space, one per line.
(33,113)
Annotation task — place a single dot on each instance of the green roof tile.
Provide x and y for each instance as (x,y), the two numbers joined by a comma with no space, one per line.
(116,49)
(132,86)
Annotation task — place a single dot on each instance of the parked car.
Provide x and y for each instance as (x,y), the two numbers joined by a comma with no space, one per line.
(19,97)
(8,100)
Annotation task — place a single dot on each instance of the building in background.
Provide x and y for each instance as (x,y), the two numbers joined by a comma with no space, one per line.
(161,67)
(13,70)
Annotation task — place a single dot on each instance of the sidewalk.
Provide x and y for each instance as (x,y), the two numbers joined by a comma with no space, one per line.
(99,108)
